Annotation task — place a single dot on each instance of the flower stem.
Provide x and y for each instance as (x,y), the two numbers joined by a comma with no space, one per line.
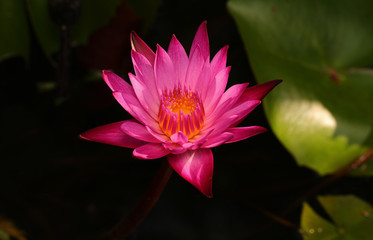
(129,223)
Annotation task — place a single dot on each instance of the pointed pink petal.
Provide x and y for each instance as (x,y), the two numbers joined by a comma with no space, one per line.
(140,46)
(242,110)
(230,118)
(217,87)
(116,83)
(150,151)
(241,133)
(145,74)
(179,58)
(201,39)
(138,131)
(217,140)
(164,70)
(135,108)
(195,66)
(196,167)
(203,83)
(219,61)
(227,101)
(219,126)
(259,91)
(111,134)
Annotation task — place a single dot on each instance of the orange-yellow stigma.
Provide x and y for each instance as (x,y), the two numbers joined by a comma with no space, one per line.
(181,110)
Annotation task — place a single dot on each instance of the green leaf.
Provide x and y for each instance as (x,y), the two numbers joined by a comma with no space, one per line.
(352,219)
(14,30)
(323,111)
(94,14)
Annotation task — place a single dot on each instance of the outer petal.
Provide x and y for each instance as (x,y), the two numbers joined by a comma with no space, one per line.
(179,58)
(164,70)
(138,131)
(196,167)
(150,151)
(259,91)
(116,83)
(242,110)
(217,140)
(140,46)
(201,39)
(111,134)
(219,61)
(132,105)
(241,133)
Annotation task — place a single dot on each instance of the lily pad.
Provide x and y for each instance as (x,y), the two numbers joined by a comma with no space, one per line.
(352,219)
(323,111)
(14,30)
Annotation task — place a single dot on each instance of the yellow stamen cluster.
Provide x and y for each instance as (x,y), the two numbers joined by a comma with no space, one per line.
(181,110)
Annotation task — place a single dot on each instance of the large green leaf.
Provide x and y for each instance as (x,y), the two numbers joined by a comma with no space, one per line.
(322,49)
(94,14)
(352,219)
(14,31)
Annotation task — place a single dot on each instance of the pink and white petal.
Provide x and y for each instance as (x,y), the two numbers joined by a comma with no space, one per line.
(241,133)
(179,138)
(196,167)
(116,83)
(111,134)
(180,59)
(140,46)
(219,61)
(201,39)
(150,151)
(138,131)
(195,66)
(216,90)
(165,75)
(258,92)
(146,99)
(145,73)
(217,140)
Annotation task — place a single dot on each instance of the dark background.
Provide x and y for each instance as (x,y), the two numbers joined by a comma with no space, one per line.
(54,185)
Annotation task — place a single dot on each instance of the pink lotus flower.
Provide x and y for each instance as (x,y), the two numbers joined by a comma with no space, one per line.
(180,106)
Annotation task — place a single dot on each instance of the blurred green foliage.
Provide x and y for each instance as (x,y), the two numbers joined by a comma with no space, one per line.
(14,26)
(352,219)
(14,30)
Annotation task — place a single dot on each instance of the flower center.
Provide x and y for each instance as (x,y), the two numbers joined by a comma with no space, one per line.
(181,110)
